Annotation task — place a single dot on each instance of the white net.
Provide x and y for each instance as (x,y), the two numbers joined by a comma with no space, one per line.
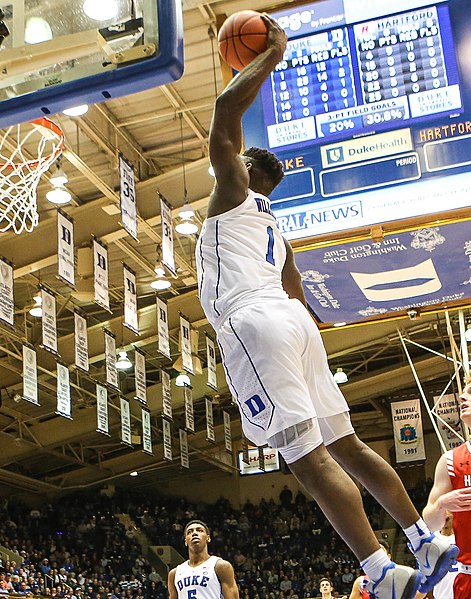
(26,152)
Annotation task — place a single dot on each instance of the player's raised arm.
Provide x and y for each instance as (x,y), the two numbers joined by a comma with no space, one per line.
(225,137)
(290,276)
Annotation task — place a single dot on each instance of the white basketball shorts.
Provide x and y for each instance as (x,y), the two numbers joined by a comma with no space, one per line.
(276,368)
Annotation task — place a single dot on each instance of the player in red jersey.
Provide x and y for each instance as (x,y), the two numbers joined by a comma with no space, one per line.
(452,491)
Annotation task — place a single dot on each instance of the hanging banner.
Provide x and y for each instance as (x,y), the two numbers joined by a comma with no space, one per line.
(102,409)
(251,463)
(163,340)
(81,341)
(167,438)
(448,421)
(227,431)
(49,323)
(30,375)
(211,360)
(408,436)
(127,196)
(110,360)
(64,402)
(146,432)
(189,415)
(125,413)
(166,395)
(65,247)
(261,459)
(245,457)
(100,271)
(184,454)
(209,421)
(140,376)
(185,340)
(130,300)
(167,235)
(7,305)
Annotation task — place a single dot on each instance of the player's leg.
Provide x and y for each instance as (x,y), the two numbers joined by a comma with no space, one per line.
(434,556)
(340,500)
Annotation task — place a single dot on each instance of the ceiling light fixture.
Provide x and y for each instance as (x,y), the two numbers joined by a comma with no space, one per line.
(123,362)
(79,110)
(340,376)
(58,195)
(37,310)
(37,30)
(187,226)
(161,283)
(183,380)
(134,473)
(58,177)
(102,10)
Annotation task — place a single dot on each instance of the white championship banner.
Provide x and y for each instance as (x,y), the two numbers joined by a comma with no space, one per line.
(49,321)
(408,435)
(30,375)
(130,299)
(189,414)
(7,304)
(102,409)
(140,376)
(163,340)
(168,257)
(127,196)
(211,360)
(146,432)
(166,395)
(65,247)
(185,341)
(227,432)
(64,402)
(184,453)
(125,412)
(210,436)
(100,273)
(448,420)
(167,439)
(81,341)
(110,360)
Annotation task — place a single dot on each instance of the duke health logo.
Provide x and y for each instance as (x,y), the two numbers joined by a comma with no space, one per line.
(335,155)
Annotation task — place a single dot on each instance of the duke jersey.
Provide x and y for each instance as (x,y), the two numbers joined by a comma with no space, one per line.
(239,255)
(200,582)
(459,470)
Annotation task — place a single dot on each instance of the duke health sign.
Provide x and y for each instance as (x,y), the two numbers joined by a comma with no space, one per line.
(353,281)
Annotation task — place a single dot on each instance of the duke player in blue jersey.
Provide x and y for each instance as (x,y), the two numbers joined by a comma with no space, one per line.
(274,359)
(202,576)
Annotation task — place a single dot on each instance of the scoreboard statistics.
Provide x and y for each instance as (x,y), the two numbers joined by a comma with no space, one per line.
(366,108)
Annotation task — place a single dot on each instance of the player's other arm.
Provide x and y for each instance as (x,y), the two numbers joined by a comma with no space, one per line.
(225,574)
(290,276)
(172,589)
(355,593)
(225,135)
(441,498)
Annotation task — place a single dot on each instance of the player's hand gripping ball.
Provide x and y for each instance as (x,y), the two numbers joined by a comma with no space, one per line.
(242,37)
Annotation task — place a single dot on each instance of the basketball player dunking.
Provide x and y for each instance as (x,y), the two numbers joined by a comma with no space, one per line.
(451,491)
(274,359)
(202,576)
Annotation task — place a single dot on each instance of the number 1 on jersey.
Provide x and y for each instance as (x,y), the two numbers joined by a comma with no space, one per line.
(271,242)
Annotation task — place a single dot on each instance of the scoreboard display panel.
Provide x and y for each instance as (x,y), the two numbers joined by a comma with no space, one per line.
(370,112)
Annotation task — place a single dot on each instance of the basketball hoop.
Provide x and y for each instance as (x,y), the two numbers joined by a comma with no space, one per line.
(27,151)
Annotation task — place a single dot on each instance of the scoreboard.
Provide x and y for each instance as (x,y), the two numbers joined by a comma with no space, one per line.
(366,107)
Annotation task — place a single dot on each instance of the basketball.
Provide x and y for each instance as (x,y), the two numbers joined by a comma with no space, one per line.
(242,37)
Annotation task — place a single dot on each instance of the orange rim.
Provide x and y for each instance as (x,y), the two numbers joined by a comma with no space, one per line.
(50,126)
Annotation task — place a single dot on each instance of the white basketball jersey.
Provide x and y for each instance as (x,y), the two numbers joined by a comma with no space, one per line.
(200,582)
(239,255)
(444,589)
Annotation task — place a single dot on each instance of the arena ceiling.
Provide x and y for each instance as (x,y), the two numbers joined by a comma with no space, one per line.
(42,452)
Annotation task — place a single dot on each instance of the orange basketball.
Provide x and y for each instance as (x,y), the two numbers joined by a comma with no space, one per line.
(242,37)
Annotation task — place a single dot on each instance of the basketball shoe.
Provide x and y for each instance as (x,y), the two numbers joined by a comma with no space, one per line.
(434,557)
(396,582)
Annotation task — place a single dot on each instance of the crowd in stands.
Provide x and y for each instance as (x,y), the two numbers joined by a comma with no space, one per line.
(78,549)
